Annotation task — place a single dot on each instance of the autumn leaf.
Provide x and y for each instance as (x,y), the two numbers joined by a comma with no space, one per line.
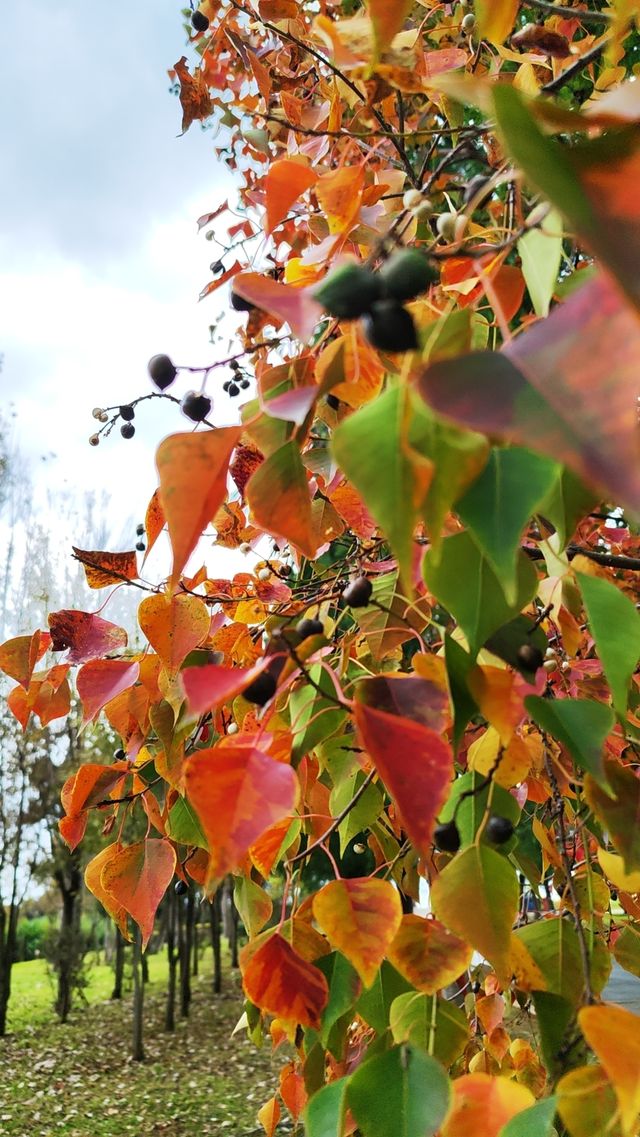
(154,521)
(19,655)
(237,792)
(101,680)
(174,626)
(193,485)
(613,1033)
(495,18)
(90,785)
(415,764)
(387,17)
(428,954)
(295,306)
(195,99)
(281,982)
(103,569)
(212,685)
(137,877)
(278,496)
(84,635)
(360,917)
(286,181)
(482,1104)
(93,881)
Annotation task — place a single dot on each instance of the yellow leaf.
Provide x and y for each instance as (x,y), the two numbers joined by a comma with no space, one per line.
(483,1105)
(613,1034)
(360,917)
(495,18)
(387,17)
(613,868)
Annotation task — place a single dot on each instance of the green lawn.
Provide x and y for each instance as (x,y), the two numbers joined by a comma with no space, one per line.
(77,1080)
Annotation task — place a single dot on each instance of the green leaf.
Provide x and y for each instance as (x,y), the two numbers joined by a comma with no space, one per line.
(344,989)
(541,254)
(579,724)
(476,895)
(469,811)
(537,1121)
(366,810)
(500,503)
(402,1092)
(553,945)
(567,503)
(459,664)
(506,642)
(627,950)
(615,626)
(619,815)
(466,584)
(324,1115)
(555,1017)
(314,718)
(183,825)
(381,449)
(374,1005)
(458,457)
(411,1020)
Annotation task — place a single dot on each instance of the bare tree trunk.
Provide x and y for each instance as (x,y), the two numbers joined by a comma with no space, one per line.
(144,962)
(196,937)
(69,882)
(216,928)
(172,958)
(186,946)
(137,1041)
(118,966)
(9,914)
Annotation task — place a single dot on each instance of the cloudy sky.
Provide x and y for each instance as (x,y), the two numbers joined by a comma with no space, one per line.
(100,262)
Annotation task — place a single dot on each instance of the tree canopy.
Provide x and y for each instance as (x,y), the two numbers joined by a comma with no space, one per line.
(419,703)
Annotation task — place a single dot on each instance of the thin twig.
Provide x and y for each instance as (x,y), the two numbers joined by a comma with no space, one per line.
(575,69)
(585,15)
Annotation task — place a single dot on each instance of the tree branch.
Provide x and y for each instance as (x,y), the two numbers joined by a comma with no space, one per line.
(337,820)
(586,16)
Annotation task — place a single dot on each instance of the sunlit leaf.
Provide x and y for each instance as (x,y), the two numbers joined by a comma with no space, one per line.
(85,635)
(613,1033)
(280,981)
(587,1102)
(360,918)
(101,680)
(286,181)
(387,17)
(495,18)
(174,626)
(137,877)
(482,1104)
(103,569)
(93,881)
(193,485)
(428,954)
(18,656)
(441,1029)
(278,496)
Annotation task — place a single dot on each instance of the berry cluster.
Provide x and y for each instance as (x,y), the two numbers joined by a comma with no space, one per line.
(237,382)
(354,291)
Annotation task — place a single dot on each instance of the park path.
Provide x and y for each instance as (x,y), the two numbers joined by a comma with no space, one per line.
(623,989)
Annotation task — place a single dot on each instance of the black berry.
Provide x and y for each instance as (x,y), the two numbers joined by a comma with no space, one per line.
(234,365)
(199,21)
(180,887)
(309,627)
(261,690)
(216,268)
(446,837)
(195,406)
(239,304)
(140,546)
(499,829)
(244,384)
(119,754)
(162,371)
(389,327)
(334,402)
(127,413)
(530,657)
(140,529)
(127,430)
(358,593)
(233,390)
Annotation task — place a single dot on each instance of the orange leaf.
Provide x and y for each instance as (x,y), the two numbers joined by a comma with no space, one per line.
(237,792)
(361,917)
(278,495)
(295,306)
(415,764)
(211,686)
(292,1090)
(279,981)
(482,1104)
(103,569)
(352,509)
(93,881)
(351,369)
(101,681)
(264,852)
(499,696)
(387,17)
(154,521)
(137,877)
(495,18)
(19,656)
(613,1033)
(85,635)
(193,485)
(269,1116)
(339,195)
(89,785)
(428,954)
(195,99)
(285,182)
(174,626)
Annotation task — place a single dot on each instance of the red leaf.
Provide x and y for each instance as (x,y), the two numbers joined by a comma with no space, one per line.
(193,485)
(195,99)
(215,284)
(409,697)
(237,792)
(103,569)
(416,766)
(295,306)
(86,635)
(209,687)
(279,981)
(552,386)
(90,784)
(101,680)
(137,877)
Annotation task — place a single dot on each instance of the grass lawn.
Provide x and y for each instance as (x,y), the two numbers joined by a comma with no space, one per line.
(77,1080)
